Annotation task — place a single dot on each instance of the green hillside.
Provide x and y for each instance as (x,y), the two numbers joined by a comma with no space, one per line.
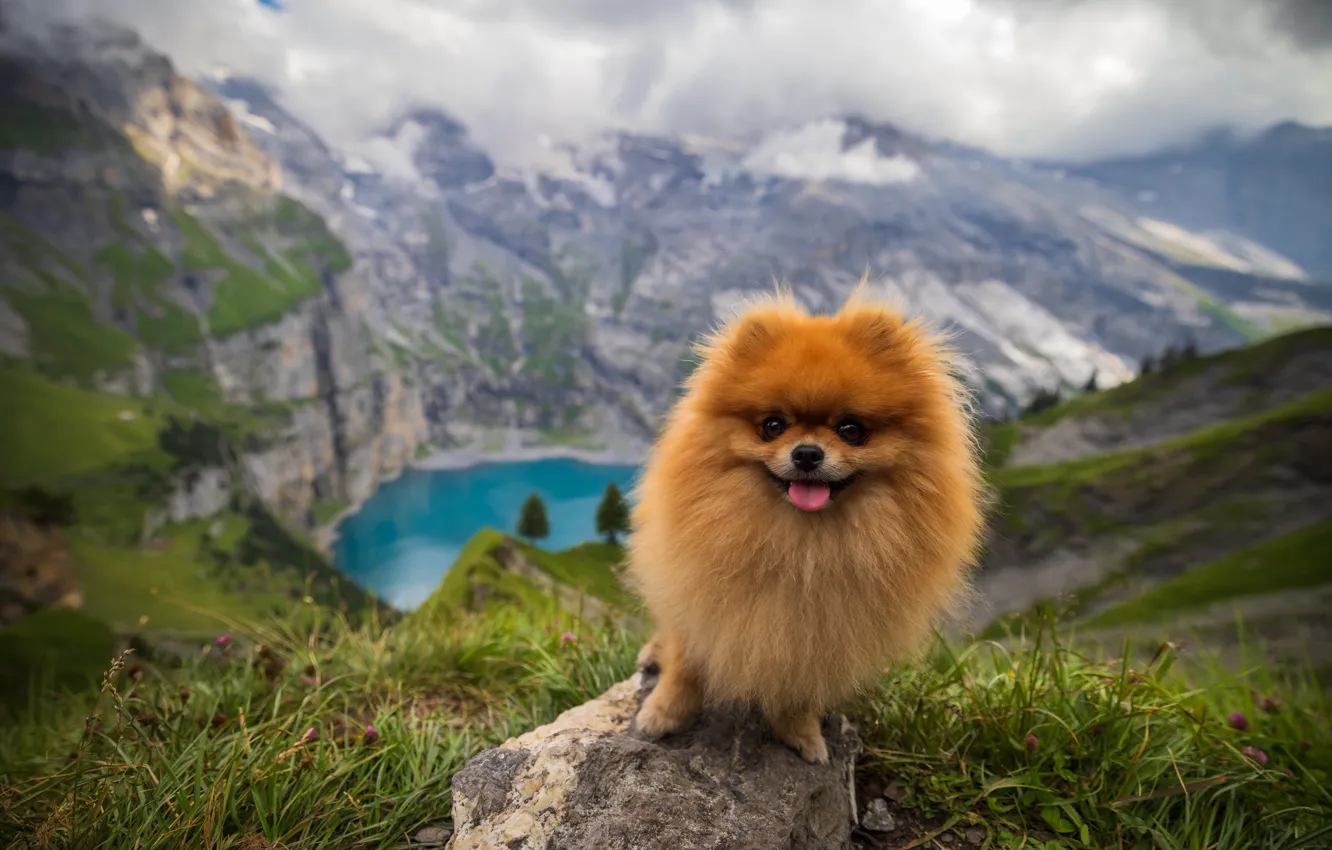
(1207,517)
(118,292)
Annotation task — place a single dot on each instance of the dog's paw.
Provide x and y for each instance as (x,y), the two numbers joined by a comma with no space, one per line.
(805,736)
(647,656)
(655,717)
(812,748)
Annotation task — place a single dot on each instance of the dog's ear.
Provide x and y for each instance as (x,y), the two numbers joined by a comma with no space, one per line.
(753,333)
(876,329)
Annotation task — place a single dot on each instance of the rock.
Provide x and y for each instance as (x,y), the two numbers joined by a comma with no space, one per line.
(877,818)
(431,836)
(895,792)
(974,835)
(36,570)
(588,780)
(199,494)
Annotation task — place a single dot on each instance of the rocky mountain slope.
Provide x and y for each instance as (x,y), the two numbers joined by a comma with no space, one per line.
(183,342)
(1184,496)
(1274,189)
(619,252)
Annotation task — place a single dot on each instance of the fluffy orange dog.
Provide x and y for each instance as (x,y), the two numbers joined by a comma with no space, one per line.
(810,508)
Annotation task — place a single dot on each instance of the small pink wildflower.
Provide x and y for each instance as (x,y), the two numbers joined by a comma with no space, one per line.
(309,682)
(311,735)
(1239,721)
(1032,742)
(568,637)
(1270,705)
(1255,754)
(371,735)
(223,641)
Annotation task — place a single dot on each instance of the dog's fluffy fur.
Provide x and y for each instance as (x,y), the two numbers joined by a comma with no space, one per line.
(759,602)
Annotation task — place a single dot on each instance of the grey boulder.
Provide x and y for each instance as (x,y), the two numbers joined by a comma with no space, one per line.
(590,780)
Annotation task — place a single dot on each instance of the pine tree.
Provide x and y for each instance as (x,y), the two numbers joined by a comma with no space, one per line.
(1042,401)
(532,522)
(1148,365)
(612,514)
(1091,386)
(1169,358)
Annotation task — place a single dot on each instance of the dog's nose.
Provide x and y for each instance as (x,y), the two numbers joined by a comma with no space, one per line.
(807,458)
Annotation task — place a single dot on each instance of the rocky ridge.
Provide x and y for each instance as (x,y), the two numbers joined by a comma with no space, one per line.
(171,225)
(624,249)
(1183,479)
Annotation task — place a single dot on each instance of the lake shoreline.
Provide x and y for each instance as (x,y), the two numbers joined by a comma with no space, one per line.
(514,450)
(451,459)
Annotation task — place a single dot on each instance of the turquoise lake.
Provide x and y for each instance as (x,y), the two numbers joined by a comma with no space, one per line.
(405,538)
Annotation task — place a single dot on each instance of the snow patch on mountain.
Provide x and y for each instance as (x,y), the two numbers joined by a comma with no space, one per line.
(241,110)
(1030,333)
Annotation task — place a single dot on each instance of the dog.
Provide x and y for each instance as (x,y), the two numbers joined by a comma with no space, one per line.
(811,506)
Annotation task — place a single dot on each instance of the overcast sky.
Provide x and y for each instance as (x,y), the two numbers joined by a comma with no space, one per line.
(1066,78)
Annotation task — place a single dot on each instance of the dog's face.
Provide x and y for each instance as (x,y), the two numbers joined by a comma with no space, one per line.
(821,408)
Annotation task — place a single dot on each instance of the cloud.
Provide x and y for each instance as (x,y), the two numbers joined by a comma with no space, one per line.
(1061,78)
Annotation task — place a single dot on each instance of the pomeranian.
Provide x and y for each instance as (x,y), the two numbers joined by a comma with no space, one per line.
(810,508)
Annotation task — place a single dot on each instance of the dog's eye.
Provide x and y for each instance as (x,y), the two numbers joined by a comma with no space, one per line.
(851,432)
(772,428)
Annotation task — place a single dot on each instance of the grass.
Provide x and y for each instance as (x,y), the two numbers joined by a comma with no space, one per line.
(269,737)
(65,338)
(590,567)
(166,589)
(227,757)
(53,649)
(138,275)
(195,389)
(50,430)
(553,334)
(44,130)
(475,567)
(1294,561)
(1043,747)
(1203,443)
(494,339)
(327,510)
(1210,305)
(133,272)
(1248,365)
(245,298)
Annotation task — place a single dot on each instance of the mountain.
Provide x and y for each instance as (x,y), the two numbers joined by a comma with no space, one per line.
(188,352)
(1274,188)
(1175,501)
(629,246)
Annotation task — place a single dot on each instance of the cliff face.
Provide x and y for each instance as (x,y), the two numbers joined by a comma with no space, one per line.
(147,251)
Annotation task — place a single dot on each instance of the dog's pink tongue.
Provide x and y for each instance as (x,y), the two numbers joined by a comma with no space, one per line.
(808,495)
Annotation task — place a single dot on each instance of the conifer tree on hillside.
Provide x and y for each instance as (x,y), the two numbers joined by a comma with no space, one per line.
(1090,386)
(532,522)
(1042,401)
(1169,358)
(1148,365)
(612,514)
